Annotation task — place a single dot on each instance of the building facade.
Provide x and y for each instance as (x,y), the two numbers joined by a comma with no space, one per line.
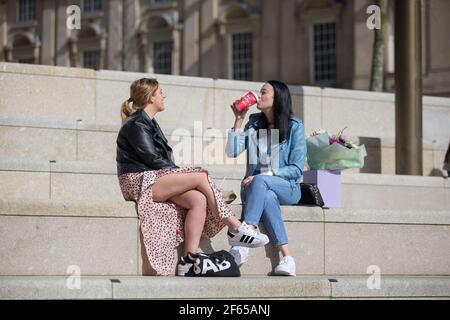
(306,42)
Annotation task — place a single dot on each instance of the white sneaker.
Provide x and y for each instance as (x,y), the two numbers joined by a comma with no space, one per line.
(240,254)
(247,236)
(286,267)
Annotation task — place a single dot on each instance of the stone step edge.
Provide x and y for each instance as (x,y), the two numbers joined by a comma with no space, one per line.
(216,171)
(256,287)
(188,130)
(123,209)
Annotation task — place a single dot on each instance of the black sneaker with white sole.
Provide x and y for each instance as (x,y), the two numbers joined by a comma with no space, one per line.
(217,264)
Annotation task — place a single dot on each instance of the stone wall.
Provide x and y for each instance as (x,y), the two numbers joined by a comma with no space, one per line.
(44,96)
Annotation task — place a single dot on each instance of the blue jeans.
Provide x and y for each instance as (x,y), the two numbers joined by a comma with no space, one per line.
(262,200)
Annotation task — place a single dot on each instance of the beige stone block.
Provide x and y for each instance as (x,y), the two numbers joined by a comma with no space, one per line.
(428,163)
(306,246)
(92,167)
(233,171)
(305,239)
(205,150)
(393,197)
(54,288)
(388,160)
(184,104)
(55,71)
(251,287)
(438,161)
(388,216)
(49,245)
(85,187)
(97,145)
(312,113)
(393,180)
(390,287)
(67,208)
(47,96)
(305,243)
(23,164)
(360,116)
(187,105)
(436,129)
(394,249)
(109,98)
(38,143)
(24,185)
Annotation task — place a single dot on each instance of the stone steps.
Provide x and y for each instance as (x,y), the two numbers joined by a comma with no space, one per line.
(246,287)
(88,140)
(61,205)
(45,237)
(75,113)
(75,180)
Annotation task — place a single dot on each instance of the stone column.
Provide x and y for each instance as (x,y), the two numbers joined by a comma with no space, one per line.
(3,32)
(130,48)
(36,51)
(62,35)
(408,84)
(143,52)
(48,32)
(176,50)
(103,49)
(209,64)
(270,35)
(115,39)
(72,49)
(191,34)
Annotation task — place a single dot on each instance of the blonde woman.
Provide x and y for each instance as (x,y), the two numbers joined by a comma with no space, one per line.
(173,204)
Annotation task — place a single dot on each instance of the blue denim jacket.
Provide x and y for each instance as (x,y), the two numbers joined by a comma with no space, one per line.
(288,158)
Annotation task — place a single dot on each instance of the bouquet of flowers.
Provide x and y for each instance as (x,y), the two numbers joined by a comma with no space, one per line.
(333,152)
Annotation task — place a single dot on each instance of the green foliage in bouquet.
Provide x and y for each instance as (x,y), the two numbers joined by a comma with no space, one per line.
(333,152)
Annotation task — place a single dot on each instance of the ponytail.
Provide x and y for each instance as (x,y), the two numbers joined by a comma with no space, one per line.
(126,110)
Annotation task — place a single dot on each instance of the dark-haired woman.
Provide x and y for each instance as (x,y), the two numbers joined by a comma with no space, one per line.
(276,149)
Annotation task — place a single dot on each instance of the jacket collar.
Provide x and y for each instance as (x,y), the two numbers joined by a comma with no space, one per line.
(256,120)
(154,128)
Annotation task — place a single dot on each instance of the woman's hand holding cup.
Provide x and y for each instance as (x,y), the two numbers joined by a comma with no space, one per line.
(240,108)
(238,114)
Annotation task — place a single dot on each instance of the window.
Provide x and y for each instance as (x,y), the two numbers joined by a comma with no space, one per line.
(26,10)
(161,1)
(92,5)
(324,53)
(26,60)
(241,56)
(162,57)
(91,59)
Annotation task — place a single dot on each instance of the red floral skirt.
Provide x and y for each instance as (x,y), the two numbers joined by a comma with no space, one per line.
(162,223)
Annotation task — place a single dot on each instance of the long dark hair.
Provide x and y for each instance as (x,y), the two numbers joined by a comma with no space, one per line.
(282,109)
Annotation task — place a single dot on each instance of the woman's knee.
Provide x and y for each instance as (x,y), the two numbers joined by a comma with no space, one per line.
(197,200)
(270,197)
(260,179)
(198,178)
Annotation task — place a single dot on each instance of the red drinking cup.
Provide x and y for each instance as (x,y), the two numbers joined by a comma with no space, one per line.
(246,101)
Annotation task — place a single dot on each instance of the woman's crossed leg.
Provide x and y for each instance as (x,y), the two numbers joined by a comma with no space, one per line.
(173,186)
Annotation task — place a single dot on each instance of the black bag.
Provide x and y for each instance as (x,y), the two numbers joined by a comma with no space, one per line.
(310,195)
(216,264)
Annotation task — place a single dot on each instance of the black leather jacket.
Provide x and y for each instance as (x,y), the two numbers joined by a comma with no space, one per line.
(142,146)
